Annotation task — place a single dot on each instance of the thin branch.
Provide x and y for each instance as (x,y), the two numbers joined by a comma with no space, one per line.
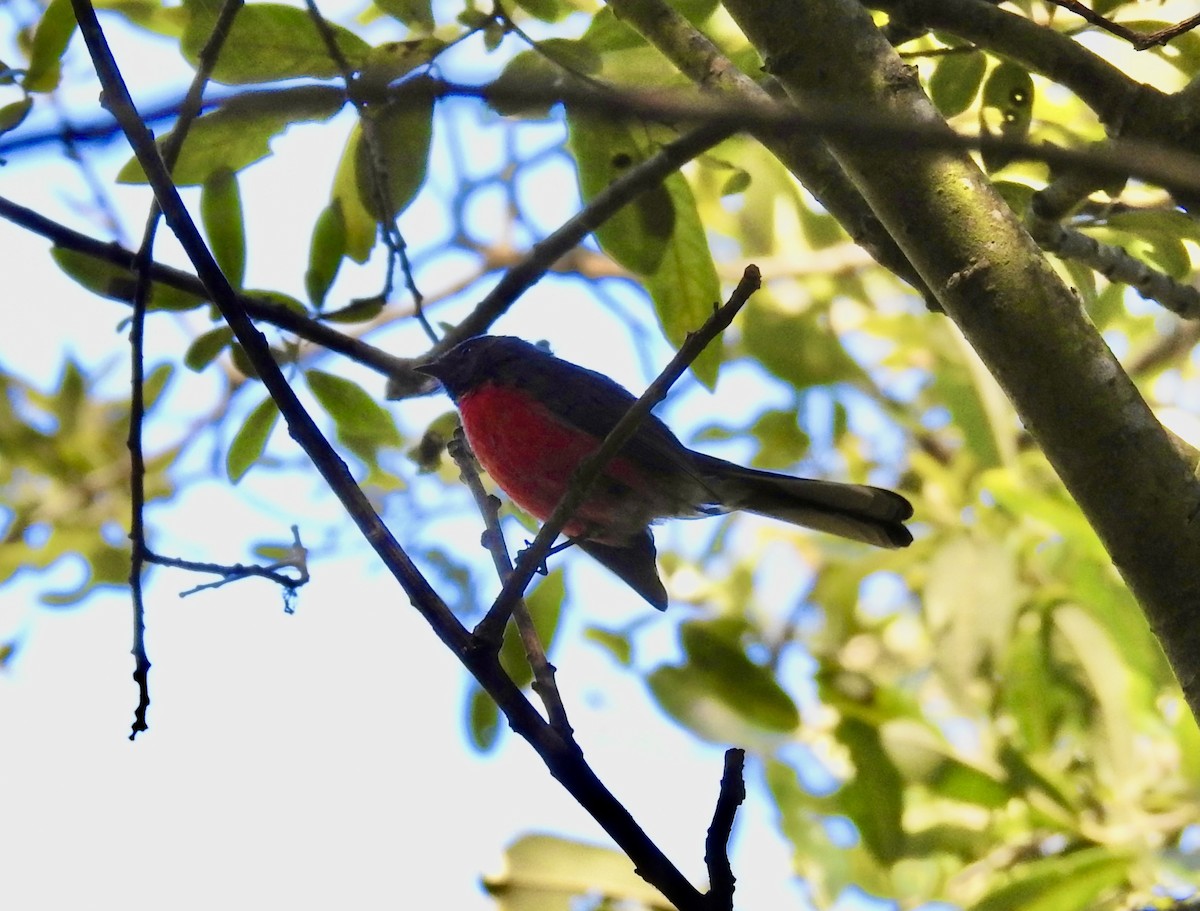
(636,180)
(1103,87)
(561,757)
(1140,40)
(490,628)
(137,409)
(716,845)
(297,559)
(267,311)
(392,238)
(802,152)
(492,539)
(1165,350)
(1115,264)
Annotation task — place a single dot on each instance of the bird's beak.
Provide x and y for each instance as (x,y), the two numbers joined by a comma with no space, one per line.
(435,369)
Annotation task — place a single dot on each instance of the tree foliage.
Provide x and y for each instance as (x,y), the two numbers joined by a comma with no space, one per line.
(995,710)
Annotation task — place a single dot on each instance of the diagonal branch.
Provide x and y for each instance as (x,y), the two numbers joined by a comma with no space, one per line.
(492,539)
(802,152)
(1118,462)
(562,758)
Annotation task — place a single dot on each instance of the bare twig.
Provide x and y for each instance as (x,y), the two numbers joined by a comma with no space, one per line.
(589,470)
(562,757)
(492,539)
(137,410)
(297,559)
(392,238)
(1115,264)
(1140,40)
(646,175)
(716,845)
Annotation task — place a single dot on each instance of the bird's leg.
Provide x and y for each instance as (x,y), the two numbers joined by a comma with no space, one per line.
(542,569)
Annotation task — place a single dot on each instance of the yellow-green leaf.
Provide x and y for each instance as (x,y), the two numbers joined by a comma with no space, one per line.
(361,227)
(251,439)
(356,414)
(221,213)
(206,347)
(54,31)
(955,81)
(325,253)
(269,42)
(400,135)
(239,132)
(117,283)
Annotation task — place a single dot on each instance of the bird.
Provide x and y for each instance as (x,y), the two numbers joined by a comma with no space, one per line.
(530,418)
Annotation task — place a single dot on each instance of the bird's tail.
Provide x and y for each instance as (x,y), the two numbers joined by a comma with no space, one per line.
(869,514)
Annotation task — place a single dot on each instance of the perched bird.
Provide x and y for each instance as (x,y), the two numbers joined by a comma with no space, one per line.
(531,418)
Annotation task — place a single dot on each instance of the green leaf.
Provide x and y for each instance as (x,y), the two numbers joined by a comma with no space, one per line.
(360,226)
(416,14)
(574,56)
(12,115)
(1105,673)
(617,644)
(922,755)
(221,213)
(151,15)
(525,70)
(392,60)
(874,797)
(357,311)
(239,133)
(737,182)
(156,383)
(106,566)
(799,348)
(604,149)
(720,694)
(971,641)
(50,40)
(546,10)
(102,277)
(955,81)
(400,134)
(545,608)
(269,42)
(1008,97)
(685,287)
(251,439)
(483,719)
(325,253)
(606,32)
(241,360)
(356,414)
(1069,882)
(980,411)
(205,349)
(547,873)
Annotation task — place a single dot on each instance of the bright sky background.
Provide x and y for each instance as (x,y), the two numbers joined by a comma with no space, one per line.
(313,760)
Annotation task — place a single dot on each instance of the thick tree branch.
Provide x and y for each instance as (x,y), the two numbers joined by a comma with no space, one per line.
(1103,87)
(1117,461)
(802,152)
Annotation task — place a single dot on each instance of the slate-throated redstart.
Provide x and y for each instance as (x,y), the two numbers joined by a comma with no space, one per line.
(531,417)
